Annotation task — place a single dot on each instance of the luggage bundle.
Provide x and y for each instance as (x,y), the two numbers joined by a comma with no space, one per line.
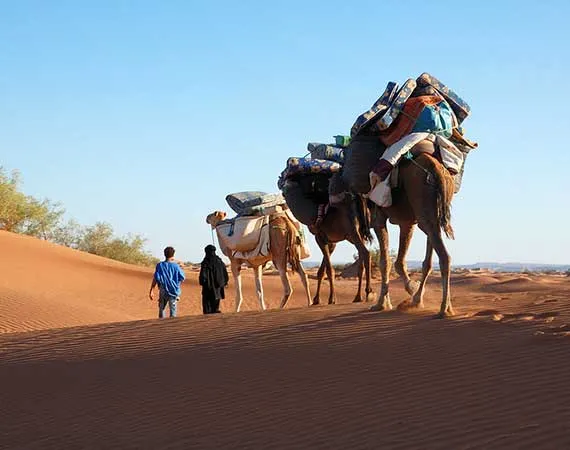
(246,236)
(255,203)
(423,115)
(314,181)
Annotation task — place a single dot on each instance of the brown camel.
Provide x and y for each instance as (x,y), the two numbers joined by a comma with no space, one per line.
(347,220)
(333,228)
(424,198)
(284,248)
(344,221)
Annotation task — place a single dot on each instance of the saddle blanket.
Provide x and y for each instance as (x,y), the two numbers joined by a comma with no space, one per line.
(249,237)
(241,234)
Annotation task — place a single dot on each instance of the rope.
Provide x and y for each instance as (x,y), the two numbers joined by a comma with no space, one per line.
(410,157)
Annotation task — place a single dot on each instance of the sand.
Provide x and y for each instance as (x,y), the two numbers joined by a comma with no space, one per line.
(84,364)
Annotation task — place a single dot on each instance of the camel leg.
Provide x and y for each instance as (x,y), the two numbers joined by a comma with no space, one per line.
(287,289)
(236,272)
(406,233)
(305,282)
(258,273)
(325,248)
(358,297)
(383,302)
(445,269)
(418,297)
(363,268)
(368,268)
(320,275)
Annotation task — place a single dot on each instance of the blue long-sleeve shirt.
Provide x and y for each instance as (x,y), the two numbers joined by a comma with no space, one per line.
(169,275)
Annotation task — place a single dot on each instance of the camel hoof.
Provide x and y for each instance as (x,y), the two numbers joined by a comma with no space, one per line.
(370,297)
(380,307)
(412,287)
(407,304)
(315,303)
(445,314)
(357,300)
(332,302)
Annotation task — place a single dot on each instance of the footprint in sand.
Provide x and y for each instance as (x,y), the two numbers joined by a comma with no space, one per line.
(542,301)
(497,316)
(494,314)
(559,331)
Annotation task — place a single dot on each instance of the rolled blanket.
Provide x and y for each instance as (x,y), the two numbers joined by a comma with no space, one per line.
(326,151)
(298,167)
(377,109)
(243,203)
(459,106)
(396,106)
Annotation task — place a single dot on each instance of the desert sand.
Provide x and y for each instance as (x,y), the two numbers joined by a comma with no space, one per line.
(85,364)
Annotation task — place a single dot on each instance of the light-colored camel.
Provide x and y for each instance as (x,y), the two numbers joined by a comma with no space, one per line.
(285,248)
(424,198)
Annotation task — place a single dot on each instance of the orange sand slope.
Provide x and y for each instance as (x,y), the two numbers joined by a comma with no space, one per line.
(495,376)
(329,377)
(47,286)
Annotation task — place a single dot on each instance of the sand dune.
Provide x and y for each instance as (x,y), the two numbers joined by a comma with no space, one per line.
(495,376)
(329,377)
(46,286)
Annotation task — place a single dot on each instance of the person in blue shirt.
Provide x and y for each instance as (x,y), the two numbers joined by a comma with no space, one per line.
(168,275)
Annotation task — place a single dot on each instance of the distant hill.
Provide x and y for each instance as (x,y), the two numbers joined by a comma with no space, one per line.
(516,267)
(494,266)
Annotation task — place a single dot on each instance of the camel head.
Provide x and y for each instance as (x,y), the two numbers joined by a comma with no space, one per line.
(215,218)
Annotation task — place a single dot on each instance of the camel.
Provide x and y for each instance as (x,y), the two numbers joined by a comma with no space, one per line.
(424,198)
(344,221)
(284,248)
(351,221)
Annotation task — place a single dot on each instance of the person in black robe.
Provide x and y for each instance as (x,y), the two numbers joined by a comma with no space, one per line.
(213,279)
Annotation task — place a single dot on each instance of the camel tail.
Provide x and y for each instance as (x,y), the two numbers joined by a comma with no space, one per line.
(444,194)
(293,243)
(363,216)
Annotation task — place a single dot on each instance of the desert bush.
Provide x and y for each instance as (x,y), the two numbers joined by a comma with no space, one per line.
(24,214)
(20,213)
(375,259)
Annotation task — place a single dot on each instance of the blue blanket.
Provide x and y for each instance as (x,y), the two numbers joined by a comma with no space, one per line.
(307,166)
(327,152)
(245,203)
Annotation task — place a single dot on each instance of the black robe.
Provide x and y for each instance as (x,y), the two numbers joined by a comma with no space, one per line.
(213,279)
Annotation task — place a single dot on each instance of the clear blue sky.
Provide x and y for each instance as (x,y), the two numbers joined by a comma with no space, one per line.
(145,114)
